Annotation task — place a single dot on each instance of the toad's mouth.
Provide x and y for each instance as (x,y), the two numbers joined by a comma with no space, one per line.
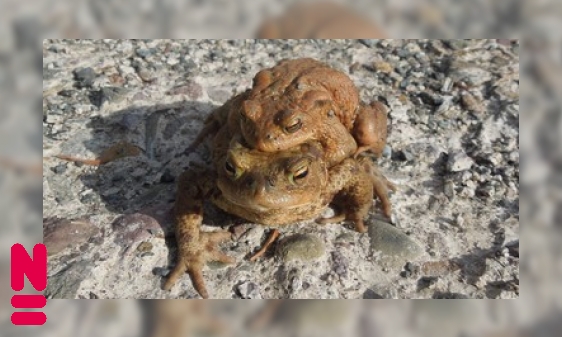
(271,203)
(262,205)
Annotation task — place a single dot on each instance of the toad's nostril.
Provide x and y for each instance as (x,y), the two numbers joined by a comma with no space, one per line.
(269,183)
(250,182)
(269,136)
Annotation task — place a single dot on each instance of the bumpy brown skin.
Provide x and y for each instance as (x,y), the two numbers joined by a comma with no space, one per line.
(294,102)
(267,188)
(298,101)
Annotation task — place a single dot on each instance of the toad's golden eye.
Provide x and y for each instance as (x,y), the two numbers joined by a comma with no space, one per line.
(298,174)
(294,126)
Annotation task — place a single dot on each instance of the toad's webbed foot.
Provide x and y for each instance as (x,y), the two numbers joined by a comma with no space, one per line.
(194,255)
(356,218)
(195,248)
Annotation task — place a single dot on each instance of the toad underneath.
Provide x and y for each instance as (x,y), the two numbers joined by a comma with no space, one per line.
(272,189)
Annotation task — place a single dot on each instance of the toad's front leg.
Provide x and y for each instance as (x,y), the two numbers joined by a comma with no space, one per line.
(353,184)
(195,248)
(352,191)
(337,142)
(381,187)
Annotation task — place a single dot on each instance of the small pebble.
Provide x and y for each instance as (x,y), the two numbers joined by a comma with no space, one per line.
(459,161)
(84,77)
(144,247)
(449,189)
(391,241)
(249,290)
(59,169)
(167,177)
(339,263)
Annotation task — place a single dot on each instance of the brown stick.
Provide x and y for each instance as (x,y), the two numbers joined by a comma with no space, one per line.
(272,237)
(91,162)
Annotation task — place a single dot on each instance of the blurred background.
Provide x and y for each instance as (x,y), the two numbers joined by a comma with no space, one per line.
(537,313)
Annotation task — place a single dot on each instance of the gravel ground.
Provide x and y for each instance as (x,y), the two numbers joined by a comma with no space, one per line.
(453,151)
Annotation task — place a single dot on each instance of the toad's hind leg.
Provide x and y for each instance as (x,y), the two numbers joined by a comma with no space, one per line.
(370,128)
(195,248)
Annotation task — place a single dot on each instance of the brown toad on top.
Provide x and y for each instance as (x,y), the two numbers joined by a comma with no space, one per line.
(267,188)
(303,100)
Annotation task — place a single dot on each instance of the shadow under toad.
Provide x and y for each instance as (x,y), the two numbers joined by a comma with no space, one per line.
(143,186)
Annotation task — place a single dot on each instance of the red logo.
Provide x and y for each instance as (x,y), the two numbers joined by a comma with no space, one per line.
(36,271)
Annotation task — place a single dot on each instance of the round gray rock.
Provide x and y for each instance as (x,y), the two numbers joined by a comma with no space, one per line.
(392,242)
(301,247)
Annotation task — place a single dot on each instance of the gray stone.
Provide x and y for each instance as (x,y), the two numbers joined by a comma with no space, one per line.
(249,290)
(167,177)
(387,151)
(59,169)
(84,77)
(449,189)
(378,292)
(459,161)
(303,247)
(403,155)
(191,89)
(145,52)
(371,43)
(147,75)
(340,264)
(108,95)
(219,95)
(447,85)
(65,284)
(457,44)
(131,121)
(144,247)
(60,234)
(392,242)
(345,238)
(132,228)
(445,105)
(471,75)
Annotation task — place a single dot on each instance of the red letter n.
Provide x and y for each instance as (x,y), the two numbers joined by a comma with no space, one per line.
(34,268)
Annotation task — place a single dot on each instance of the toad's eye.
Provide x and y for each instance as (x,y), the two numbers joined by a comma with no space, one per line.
(301,173)
(298,174)
(294,126)
(243,118)
(230,169)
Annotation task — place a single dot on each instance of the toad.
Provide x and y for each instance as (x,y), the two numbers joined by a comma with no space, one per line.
(303,100)
(272,189)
